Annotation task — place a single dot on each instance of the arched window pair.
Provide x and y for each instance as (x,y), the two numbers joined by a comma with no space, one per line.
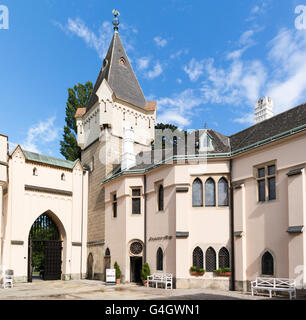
(210,193)
(210,258)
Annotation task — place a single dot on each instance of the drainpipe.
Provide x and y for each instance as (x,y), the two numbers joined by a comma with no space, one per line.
(81,264)
(145,217)
(232,278)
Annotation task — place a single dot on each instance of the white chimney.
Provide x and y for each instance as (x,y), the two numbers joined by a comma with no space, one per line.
(128,156)
(263,109)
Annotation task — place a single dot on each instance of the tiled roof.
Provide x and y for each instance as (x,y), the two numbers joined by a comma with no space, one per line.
(119,74)
(80,112)
(35,157)
(282,122)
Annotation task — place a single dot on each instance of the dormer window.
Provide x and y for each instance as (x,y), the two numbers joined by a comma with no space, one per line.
(35,172)
(205,142)
(122,61)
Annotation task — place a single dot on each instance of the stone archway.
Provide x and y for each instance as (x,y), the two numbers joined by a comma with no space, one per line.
(45,244)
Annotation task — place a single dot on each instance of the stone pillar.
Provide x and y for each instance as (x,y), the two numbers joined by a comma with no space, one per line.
(240,238)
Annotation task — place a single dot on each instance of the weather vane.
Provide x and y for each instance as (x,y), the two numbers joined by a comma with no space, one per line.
(116,22)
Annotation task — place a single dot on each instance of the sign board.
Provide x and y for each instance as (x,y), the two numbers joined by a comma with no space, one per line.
(110,276)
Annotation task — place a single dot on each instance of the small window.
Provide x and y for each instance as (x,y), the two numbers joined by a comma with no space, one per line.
(115,205)
(267,264)
(197,193)
(35,172)
(210,260)
(107,252)
(197,257)
(63,177)
(159,259)
(92,164)
(210,193)
(160,198)
(122,61)
(266,181)
(222,193)
(136,201)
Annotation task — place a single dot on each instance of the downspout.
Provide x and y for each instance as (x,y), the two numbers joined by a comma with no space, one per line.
(232,278)
(145,218)
(81,264)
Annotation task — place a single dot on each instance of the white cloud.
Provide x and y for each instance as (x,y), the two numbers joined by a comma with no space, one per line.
(248,118)
(287,57)
(239,83)
(157,71)
(38,135)
(179,109)
(194,70)
(179,53)
(143,63)
(160,42)
(98,41)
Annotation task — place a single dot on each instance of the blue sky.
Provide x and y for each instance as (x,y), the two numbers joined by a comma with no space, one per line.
(203,61)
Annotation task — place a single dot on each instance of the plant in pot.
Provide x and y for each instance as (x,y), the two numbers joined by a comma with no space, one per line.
(145,272)
(118,272)
(223,272)
(195,271)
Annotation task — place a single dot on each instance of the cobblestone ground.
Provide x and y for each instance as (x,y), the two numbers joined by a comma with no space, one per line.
(96,290)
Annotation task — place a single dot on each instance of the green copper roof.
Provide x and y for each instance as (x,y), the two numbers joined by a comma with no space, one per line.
(31,156)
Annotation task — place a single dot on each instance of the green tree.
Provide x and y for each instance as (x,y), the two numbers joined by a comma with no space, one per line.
(78,97)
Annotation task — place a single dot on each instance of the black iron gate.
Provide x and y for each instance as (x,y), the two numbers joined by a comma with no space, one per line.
(45,250)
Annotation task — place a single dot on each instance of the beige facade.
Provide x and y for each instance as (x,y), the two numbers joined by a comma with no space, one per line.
(33,188)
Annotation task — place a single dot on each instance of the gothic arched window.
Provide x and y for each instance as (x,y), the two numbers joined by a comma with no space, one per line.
(160,198)
(197,257)
(197,193)
(210,260)
(222,193)
(210,193)
(267,264)
(224,258)
(159,259)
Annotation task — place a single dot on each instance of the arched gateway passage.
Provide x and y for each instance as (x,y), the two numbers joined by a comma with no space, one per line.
(45,250)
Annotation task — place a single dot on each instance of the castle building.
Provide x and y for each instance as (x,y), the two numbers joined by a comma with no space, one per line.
(211,202)
(174,200)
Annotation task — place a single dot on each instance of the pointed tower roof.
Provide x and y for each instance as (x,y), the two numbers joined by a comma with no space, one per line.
(118,72)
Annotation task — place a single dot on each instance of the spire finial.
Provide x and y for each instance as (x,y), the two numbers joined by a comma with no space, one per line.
(116,22)
(205,125)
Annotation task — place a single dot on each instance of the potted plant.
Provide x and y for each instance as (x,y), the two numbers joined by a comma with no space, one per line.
(223,272)
(145,272)
(195,271)
(118,272)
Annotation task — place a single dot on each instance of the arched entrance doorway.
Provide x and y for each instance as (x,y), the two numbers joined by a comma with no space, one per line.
(45,250)
(136,253)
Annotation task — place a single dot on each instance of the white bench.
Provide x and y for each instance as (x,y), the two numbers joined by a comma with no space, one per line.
(160,278)
(274,284)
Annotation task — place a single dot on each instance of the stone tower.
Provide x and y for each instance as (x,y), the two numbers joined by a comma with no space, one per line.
(117,102)
(263,109)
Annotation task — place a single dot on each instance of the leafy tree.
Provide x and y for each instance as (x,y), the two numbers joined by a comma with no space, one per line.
(77,98)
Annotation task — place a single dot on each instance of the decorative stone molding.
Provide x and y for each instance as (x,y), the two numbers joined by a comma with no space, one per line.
(48,190)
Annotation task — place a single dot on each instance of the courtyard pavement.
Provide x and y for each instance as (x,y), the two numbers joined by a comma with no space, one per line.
(97,290)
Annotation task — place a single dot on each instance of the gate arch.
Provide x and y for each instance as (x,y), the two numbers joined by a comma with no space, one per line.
(45,248)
